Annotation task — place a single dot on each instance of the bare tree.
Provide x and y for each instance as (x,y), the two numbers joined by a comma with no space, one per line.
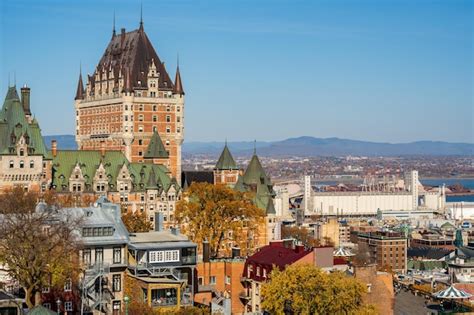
(38,245)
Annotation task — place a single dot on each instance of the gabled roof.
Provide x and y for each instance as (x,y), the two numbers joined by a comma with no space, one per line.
(226,161)
(14,125)
(278,255)
(133,52)
(156,149)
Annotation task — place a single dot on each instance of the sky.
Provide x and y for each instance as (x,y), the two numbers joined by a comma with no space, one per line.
(379,70)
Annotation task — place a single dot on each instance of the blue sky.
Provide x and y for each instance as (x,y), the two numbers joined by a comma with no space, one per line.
(395,71)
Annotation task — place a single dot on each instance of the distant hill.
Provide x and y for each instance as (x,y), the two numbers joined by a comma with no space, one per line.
(310,146)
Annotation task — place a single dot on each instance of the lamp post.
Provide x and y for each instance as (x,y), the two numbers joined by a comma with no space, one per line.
(126,300)
(58,303)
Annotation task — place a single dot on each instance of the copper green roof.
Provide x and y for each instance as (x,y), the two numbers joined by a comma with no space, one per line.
(226,161)
(14,125)
(143,176)
(156,149)
(256,180)
(40,310)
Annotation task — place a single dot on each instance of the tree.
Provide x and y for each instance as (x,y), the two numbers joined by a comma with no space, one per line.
(300,234)
(218,213)
(136,222)
(305,289)
(36,246)
(137,304)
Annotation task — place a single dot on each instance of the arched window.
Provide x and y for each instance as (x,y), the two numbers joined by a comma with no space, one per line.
(22,164)
(12,164)
(32,164)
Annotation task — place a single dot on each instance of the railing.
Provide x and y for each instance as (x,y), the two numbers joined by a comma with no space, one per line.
(188,260)
(162,271)
(244,295)
(165,301)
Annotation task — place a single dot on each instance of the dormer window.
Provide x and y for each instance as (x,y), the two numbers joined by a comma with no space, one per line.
(22,152)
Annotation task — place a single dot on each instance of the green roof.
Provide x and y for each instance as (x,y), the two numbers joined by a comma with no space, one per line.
(226,161)
(256,180)
(40,310)
(426,264)
(14,125)
(156,149)
(144,175)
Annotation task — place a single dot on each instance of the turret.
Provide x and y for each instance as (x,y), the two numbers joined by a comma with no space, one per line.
(178,85)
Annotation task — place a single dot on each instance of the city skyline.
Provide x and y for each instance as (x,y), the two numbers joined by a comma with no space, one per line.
(266,62)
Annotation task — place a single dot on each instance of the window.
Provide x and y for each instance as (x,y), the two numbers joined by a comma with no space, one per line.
(212,280)
(155,119)
(140,128)
(22,164)
(140,153)
(164,256)
(68,306)
(168,129)
(178,119)
(258,271)
(68,285)
(47,305)
(22,152)
(140,142)
(117,255)
(117,283)
(12,164)
(154,108)
(45,289)
(155,129)
(116,307)
(140,117)
(99,255)
(86,257)
(227,280)
(168,118)
(168,108)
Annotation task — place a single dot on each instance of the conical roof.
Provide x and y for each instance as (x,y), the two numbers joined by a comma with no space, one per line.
(226,161)
(255,173)
(156,149)
(12,94)
(178,85)
(80,89)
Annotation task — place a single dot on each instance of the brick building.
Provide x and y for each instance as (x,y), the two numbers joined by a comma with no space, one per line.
(128,98)
(388,249)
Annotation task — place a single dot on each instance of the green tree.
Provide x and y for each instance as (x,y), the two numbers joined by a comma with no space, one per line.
(218,213)
(37,248)
(305,289)
(136,222)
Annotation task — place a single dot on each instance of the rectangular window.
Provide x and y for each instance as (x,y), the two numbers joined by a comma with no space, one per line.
(212,280)
(68,285)
(117,255)
(68,306)
(164,256)
(117,283)
(86,257)
(227,280)
(99,255)
(116,307)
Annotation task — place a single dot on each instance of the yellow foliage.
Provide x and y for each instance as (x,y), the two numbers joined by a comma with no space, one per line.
(218,214)
(305,289)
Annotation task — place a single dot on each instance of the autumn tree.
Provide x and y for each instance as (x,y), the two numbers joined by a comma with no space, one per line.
(218,214)
(36,246)
(300,234)
(136,222)
(134,291)
(305,289)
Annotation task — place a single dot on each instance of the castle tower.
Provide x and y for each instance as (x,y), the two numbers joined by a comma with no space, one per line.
(226,170)
(128,98)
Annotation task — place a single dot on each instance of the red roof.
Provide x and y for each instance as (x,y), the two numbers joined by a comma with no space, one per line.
(274,254)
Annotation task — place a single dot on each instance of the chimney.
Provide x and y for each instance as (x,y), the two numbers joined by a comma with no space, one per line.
(158,221)
(122,36)
(175,230)
(102,148)
(25,99)
(206,252)
(54,147)
(235,252)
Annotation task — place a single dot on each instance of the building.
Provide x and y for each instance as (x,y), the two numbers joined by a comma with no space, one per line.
(24,159)
(128,98)
(368,200)
(144,187)
(163,264)
(387,249)
(226,170)
(220,281)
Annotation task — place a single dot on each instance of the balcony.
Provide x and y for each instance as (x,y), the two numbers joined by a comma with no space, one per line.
(244,295)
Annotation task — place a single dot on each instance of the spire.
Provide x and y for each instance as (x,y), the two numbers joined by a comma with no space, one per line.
(141,16)
(80,87)
(156,149)
(113,27)
(255,147)
(226,160)
(178,85)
